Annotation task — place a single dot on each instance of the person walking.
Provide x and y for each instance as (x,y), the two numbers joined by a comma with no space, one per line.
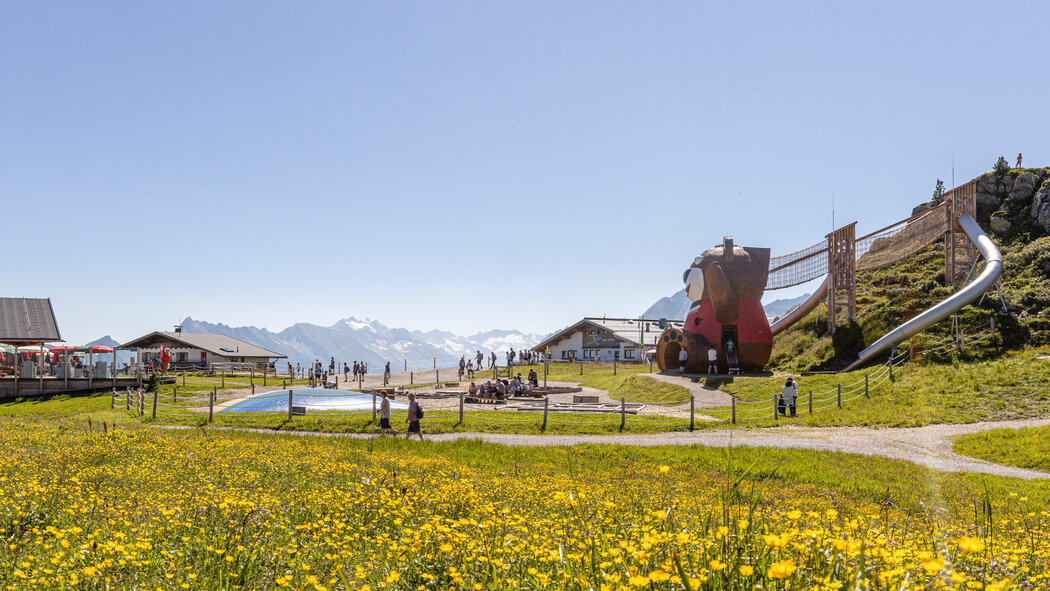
(492,361)
(480,358)
(384,416)
(788,395)
(331,366)
(386,374)
(462,366)
(346,371)
(712,360)
(415,414)
(683,357)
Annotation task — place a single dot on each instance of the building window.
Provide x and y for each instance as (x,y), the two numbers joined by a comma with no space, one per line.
(181,357)
(628,353)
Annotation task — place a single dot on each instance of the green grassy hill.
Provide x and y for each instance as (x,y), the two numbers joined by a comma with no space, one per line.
(888,296)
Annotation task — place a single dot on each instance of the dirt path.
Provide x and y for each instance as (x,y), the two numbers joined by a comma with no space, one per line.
(704,396)
(929,446)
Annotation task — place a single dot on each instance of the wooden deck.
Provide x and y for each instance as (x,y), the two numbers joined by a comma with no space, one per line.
(48,385)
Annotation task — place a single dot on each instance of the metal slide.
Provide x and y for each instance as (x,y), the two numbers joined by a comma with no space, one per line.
(796,313)
(971,292)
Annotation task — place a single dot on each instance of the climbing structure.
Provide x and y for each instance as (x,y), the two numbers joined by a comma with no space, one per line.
(838,258)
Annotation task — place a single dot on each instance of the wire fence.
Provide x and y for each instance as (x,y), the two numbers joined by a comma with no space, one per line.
(318,404)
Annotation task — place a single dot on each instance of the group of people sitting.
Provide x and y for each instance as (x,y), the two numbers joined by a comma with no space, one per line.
(501,389)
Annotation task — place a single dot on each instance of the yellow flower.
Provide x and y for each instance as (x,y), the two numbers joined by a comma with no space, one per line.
(638,581)
(658,576)
(90,571)
(665,469)
(933,565)
(716,565)
(781,570)
(746,570)
(794,515)
(971,544)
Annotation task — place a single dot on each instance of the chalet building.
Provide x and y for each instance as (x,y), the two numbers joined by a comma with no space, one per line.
(606,339)
(201,350)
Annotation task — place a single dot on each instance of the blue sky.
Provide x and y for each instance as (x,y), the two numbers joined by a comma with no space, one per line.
(473,165)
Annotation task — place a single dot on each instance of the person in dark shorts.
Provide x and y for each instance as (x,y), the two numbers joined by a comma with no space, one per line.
(413,418)
(384,416)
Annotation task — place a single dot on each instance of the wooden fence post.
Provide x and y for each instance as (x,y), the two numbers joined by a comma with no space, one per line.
(127,399)
(211,403)
(623,412)
(373,404)
(811,401)
(581,368)
(838,396)
(224,378)
(461,408)
(264,376)
(142,402)
(290,404)
(692,407)
(734,409)
(183,378)
(174,394)
(892,351)
(113,399)
(411,378)
(776,409)
(866,385)
(154,414)
(546,402)
(614,367)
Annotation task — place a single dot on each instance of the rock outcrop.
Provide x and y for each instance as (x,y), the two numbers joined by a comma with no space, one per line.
(1004,198)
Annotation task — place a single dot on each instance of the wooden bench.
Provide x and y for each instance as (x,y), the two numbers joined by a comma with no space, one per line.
(584,399)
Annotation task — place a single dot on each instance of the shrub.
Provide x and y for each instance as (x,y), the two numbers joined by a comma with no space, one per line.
(1002,166)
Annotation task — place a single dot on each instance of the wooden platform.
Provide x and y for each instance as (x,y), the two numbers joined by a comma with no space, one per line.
(50,386)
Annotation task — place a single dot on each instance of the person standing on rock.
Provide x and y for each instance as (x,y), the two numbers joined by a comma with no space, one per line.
(1018,160)
(683,357)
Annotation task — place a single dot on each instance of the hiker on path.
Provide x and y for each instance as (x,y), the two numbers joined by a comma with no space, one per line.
(413,417)
(480,358)
(384,416)
(331,366)
(386,374)
(712,361)
(346,370)
(492,362)
(683,357)
(462,366)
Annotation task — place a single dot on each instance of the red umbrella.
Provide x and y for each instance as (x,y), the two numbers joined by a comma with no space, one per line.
(62,348)
(100,349)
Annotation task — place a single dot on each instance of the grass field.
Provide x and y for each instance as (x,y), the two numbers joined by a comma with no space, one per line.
(1025,448)
(145,509)
(1009,388)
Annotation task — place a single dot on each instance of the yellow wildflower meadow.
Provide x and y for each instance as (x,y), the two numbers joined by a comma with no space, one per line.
(192,510)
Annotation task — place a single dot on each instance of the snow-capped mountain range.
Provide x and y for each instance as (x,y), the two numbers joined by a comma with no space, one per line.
(371,341)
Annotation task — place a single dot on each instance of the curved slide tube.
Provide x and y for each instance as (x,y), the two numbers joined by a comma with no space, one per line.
(796,313)
(973,291)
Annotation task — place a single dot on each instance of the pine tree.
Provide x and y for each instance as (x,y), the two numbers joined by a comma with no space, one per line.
(938,192)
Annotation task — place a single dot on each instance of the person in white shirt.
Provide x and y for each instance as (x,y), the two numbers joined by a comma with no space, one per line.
(712,360)
(788,395)
(384,416)
(683,356)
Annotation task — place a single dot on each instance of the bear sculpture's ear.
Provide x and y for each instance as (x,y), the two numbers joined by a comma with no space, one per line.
(723,296)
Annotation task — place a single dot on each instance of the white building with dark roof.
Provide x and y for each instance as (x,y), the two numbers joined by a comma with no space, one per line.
(606,339)
(204,350)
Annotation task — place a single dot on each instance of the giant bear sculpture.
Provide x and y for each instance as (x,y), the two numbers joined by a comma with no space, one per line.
(725,284)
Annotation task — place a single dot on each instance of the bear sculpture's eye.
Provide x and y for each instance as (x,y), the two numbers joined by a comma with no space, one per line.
(694,284)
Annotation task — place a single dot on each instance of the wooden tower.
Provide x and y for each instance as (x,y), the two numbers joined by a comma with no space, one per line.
(842,292)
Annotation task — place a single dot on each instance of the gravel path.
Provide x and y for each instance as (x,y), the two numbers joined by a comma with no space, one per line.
(703,395)
(929,446)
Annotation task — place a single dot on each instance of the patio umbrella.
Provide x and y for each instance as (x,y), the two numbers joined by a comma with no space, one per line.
(62,349)
(99,349)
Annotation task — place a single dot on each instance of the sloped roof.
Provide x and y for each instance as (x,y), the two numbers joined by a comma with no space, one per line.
(215,344)
(28,321)
(625,329)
